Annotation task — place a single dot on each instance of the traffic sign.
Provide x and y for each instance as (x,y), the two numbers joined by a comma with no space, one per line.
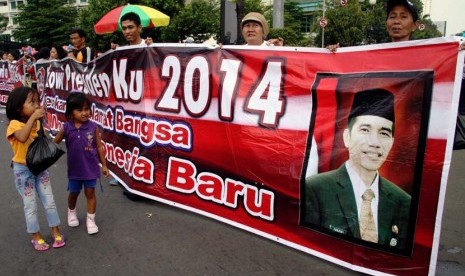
(323,22)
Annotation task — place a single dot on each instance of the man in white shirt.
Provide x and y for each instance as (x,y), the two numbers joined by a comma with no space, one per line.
(131,26)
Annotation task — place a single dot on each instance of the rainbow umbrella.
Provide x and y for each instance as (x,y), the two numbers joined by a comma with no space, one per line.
(149,18)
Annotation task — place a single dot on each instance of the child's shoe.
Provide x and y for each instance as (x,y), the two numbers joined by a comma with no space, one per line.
(91,226)
(72,218)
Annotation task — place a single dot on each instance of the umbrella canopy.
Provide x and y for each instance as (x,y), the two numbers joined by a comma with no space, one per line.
(149,17)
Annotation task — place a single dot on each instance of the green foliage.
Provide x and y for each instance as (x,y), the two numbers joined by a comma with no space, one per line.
(44,22)
(255,6)
(90,15)
(96,9)
(292,26)
(168,7)
(3,22)
(199,19)
(431,30)
(291,36)
(346,25)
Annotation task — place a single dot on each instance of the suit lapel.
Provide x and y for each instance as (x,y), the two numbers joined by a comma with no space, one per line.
(347,201)
(386,209)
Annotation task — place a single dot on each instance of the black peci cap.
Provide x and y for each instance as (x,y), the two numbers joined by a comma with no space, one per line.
(376,102)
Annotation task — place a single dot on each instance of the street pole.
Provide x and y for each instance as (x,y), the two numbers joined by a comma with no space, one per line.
(278,14)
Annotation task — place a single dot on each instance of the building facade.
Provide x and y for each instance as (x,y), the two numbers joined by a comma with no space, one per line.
(309,7)
(427,6)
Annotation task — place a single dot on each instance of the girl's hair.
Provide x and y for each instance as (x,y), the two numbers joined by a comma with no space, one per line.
(61,52)
(16,100)
(74,101)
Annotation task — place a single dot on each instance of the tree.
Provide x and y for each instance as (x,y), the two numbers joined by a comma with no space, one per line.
(44,22)
(90,15)
(3,23)
(291,33)
(346,25)
(168,7)
(430,29)
(361,23)
(256,6)
(199,19)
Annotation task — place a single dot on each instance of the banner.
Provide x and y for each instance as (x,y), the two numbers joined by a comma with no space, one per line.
(11,76)
(283,141)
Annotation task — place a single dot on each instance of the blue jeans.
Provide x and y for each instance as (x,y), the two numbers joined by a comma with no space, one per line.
(28,186)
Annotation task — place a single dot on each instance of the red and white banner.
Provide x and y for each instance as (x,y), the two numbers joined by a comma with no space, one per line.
(11,76)
(233,133)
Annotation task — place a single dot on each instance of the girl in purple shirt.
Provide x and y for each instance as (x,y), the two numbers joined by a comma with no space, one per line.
(85,150)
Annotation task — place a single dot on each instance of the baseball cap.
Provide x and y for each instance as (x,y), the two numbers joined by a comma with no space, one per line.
(409,5)
(259,18)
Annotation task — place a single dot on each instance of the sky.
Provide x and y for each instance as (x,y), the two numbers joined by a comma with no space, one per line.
(452,11)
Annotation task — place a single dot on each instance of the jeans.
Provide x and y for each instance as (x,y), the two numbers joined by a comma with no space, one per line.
(28,185)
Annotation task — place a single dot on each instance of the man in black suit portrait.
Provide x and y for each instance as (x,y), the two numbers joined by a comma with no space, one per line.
(355,200)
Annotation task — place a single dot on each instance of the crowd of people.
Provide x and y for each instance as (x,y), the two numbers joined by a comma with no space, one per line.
(25,113)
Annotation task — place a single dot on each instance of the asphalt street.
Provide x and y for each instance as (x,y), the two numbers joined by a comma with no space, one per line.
(144,237)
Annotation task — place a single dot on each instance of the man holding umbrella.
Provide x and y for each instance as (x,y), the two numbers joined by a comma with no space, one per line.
(131,27)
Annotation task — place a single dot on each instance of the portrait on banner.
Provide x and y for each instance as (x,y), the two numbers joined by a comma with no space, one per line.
(370,130)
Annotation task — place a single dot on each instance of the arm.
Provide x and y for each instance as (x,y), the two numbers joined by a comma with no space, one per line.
(101,153)
(23,134)
(276,41)
(59,137)
(333,47)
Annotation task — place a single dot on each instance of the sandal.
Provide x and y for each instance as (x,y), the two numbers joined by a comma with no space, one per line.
(59,241)
(40,245)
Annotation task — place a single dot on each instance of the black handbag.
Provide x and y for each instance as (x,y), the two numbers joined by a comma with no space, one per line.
(459,141)
(42,153)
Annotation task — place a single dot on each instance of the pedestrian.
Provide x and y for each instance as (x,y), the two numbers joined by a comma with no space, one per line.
(12,57)
(5,56)
(43,55)
(401,20)
(85,150)
(24,112)
(78,50)
(57,53)
(132,28)
(254,30)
